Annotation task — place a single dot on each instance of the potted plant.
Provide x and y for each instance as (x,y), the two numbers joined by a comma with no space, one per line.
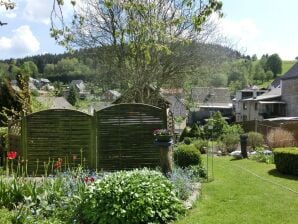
(163,135)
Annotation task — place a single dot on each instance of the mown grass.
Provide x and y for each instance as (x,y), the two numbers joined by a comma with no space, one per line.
(286,65)
(238,196)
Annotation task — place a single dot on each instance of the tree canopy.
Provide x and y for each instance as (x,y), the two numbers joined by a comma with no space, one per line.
(143,41)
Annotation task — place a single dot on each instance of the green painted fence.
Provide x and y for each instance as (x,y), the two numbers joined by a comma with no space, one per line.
(117,137)
(124,136)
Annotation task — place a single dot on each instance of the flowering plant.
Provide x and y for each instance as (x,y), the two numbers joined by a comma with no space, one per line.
(11,155)
(159,132)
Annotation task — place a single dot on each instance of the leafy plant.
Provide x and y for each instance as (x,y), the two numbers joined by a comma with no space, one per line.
(215,126)
(182,181)
(184,133)
(187,155)
(201,145)
(262,157)
(138,196)
(255,140)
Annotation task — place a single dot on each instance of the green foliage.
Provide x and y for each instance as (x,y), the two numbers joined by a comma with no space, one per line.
(215,126)
(139,196)
(187,155)
(187,140)
(72,96)
(274,64)
(261,157)
(184,133)
(286,160)
(255,140)
(219,80)
(196,132)
(201,145)
(231,137)
(6,216)
(181,180)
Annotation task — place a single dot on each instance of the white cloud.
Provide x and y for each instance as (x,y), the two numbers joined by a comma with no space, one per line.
(40,11)
(21,43)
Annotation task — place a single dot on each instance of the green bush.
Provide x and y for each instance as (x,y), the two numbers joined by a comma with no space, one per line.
(196,132)
(184,133)
(201,145)
(139,196)
(187,140)
(286,160)
(187,155)
(215,126)
(230,141)
(5,216)
(255,140)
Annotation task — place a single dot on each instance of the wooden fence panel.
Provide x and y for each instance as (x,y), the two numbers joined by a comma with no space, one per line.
(124,136)
(59,133)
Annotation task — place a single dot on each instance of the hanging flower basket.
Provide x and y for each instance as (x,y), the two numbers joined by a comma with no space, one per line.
(163,135)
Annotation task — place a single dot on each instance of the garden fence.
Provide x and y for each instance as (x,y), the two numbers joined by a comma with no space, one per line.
(117,137)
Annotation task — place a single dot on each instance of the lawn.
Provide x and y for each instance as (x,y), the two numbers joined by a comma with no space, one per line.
(246,191)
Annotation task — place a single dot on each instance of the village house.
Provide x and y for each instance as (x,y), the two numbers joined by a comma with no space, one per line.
(110,95)
(207,100)
(80,87)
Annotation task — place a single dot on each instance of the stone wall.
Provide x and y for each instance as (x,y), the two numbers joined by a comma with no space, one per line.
(290,96)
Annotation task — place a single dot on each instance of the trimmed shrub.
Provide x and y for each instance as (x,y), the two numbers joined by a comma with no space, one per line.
(255,140)
(196,132)
(279,137)
(286,160)
(139,196)
(201,145)
(187,155)
(184,133)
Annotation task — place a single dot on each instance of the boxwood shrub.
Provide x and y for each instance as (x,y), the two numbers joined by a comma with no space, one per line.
(187,155)
(139,196)
(286,160)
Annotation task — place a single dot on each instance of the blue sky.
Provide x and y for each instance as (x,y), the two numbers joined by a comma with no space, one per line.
(252,26)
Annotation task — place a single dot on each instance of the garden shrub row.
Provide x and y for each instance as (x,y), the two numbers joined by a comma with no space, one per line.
(286,160)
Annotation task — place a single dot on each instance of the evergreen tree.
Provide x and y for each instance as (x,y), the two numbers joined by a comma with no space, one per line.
(72,96)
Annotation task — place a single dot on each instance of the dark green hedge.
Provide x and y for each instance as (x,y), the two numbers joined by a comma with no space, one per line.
(286,160)
(187,155)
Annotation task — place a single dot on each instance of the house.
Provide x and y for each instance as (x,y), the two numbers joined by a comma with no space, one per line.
(263,106)
(110,95)
(80,87)
(207,100)
(178,92)
(289,91)
(243,105)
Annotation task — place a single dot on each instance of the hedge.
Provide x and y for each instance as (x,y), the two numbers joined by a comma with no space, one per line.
(187,155)
(286,160)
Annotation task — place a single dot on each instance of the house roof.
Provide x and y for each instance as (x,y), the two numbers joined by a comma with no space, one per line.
(75,82)
(271,94)
(55,102)
(114,92)
(44,80)
(292,73)
(177,107)
(276,82)
(210,97)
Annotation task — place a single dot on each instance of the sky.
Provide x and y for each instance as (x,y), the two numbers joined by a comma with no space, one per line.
(252,26)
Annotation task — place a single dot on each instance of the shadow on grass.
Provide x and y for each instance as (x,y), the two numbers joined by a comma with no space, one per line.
(275,173)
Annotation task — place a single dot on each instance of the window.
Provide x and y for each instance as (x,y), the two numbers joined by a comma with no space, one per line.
(256,106)
(244,106)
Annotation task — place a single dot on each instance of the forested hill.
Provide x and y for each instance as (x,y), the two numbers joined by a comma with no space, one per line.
(85,55)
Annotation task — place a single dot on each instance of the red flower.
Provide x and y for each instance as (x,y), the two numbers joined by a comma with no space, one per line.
(86,179)
(58,164)
(11,155)
(92,179)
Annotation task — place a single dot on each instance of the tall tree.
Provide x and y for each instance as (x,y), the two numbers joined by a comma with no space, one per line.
(140,37)
(274,63)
